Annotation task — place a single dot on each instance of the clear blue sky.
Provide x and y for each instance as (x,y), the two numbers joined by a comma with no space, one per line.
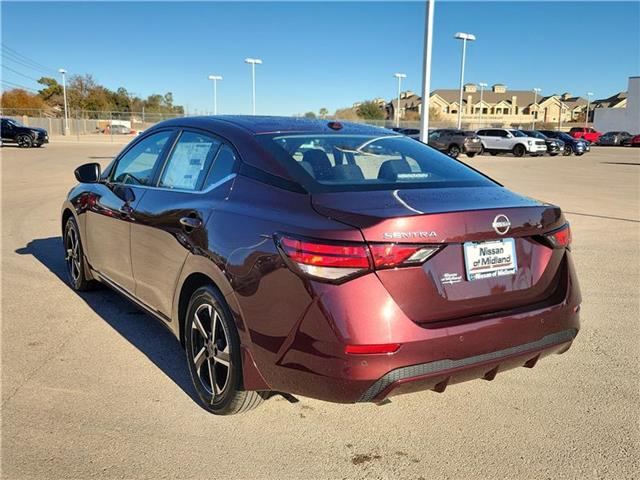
(323,54)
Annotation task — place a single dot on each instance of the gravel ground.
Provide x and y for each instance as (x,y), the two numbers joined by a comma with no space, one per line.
(93,388)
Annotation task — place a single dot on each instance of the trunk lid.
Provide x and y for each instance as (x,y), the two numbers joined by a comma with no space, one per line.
(440,289)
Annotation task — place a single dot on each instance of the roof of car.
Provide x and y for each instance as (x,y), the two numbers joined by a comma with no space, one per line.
(272,124)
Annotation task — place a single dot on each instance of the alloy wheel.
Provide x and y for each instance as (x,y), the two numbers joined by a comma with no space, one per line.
(24,141)
(72,248)
(210,350)
(454,151)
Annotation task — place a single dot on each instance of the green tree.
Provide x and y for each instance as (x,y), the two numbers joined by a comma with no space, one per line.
(309,115)
(52,91)
(323,112)
(370,111)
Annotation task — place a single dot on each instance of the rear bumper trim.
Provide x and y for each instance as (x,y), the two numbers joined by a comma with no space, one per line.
(438,366)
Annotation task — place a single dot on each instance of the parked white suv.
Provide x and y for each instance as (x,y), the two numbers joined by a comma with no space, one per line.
(501,140)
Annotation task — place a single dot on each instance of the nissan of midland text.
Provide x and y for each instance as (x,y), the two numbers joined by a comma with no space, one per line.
(332,260)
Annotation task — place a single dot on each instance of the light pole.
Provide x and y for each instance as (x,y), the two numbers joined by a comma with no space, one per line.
(399,76)
(426,71)
(465,37)
(215,79)
(562,109)
(253,62)
(586,116)
(536,91)
(482,87)
(64,96)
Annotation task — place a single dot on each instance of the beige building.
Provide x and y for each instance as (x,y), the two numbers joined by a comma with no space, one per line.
(498,107)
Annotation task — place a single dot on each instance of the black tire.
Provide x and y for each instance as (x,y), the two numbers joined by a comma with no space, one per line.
(471,154)
(24,141)
(481,152)
(453,151)
(74,257)
(553,154)
(213,355)
(493,154)
(519,150)
(567,151)
(578,154)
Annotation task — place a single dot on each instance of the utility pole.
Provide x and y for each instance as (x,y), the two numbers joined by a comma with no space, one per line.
(64,96)
(399,76)
(426,71)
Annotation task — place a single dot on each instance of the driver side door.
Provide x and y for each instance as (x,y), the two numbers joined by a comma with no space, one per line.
(110,214)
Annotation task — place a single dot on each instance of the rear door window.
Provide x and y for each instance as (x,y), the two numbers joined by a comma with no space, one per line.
(189,162)
(223,166)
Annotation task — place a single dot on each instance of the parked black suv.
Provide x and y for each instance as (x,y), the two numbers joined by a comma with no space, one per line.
(14,132)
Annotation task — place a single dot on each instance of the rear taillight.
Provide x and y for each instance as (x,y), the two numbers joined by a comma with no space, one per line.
(338,261)
(330,261)
(560,238)
(392,255)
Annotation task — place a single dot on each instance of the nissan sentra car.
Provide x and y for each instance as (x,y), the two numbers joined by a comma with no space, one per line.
(332,260)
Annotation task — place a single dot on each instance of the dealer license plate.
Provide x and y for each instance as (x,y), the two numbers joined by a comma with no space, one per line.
(490,259)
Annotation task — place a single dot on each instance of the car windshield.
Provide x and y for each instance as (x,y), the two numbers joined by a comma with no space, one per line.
(518,133)
(535,134)
(564,136)
(341,162)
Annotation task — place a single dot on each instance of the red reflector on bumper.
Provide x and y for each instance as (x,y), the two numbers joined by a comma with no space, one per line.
(371,349)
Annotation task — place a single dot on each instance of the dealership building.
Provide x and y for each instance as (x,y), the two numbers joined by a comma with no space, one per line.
(625,118)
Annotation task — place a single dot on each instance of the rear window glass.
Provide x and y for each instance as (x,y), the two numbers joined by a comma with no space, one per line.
(336,162)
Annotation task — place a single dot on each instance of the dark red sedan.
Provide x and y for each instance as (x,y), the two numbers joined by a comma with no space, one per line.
(332,260)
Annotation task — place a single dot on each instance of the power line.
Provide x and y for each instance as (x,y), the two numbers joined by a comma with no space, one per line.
(5,57)
(17,85)
(26,59)
(19,73)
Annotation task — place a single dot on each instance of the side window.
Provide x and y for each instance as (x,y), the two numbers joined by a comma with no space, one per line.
(222,167)
(189,162)
(136,166)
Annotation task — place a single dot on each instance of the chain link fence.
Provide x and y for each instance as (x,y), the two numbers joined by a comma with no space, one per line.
(115,126)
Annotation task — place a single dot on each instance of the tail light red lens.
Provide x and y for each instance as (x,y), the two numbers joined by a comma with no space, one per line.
(560,238)
(335,261)
(326,255)
(394,255)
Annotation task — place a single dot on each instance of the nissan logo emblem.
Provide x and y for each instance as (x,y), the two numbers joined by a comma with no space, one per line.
(501,224)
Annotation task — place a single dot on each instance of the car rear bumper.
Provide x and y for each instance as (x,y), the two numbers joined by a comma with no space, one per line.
(438,374)
(475,147)
(312,362)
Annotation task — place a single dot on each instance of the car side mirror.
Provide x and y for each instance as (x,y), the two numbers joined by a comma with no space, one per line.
(509,135)
(88,173)
(124,193)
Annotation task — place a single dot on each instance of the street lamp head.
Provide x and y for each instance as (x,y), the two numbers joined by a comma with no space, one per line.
(215,77)
(483,85)
(589,94)
(62,71)
(255,61)
(400,75)
(537,90)
(465,36)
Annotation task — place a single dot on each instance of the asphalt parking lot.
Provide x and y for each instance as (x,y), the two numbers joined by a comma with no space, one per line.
(93,388)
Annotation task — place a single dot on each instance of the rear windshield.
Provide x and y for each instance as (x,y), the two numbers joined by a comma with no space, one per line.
(335,162)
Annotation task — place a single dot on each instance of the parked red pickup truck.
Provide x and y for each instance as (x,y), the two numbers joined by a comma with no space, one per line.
(589,134)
